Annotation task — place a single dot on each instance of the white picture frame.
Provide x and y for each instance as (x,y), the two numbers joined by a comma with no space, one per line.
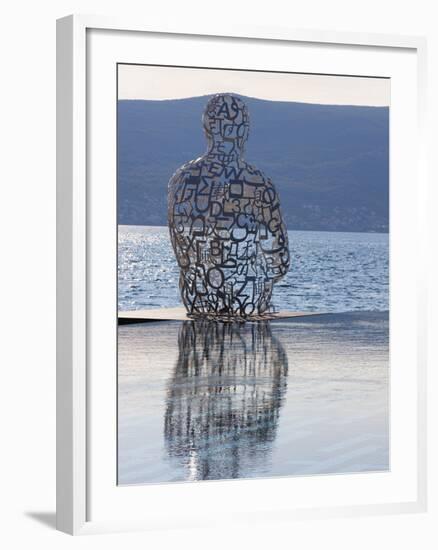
(78,221)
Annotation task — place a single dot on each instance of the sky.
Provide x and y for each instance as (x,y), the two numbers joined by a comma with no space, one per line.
(158,83)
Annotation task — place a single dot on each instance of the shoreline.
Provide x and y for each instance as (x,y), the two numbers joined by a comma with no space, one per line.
(126,226)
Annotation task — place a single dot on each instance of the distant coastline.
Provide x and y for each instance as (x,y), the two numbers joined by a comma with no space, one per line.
(158,225)
(329,163)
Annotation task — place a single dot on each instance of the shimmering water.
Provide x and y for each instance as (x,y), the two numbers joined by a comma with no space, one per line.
(205,400)
(329,271)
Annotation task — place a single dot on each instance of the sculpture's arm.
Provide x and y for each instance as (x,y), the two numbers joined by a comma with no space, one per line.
(174,191)
(273,232)
(175,216)
(180,208)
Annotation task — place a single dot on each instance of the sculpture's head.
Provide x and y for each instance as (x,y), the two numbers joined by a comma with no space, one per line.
(226,119)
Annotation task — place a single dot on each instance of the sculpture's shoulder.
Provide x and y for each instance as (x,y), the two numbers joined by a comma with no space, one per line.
(189,169)
(253,174)
(256,178)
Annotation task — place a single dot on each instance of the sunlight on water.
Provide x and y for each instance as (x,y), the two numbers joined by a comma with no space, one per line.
(329,271)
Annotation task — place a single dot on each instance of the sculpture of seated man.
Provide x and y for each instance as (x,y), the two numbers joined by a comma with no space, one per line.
(225,222)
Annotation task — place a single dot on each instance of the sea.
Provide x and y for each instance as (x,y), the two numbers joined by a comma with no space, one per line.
(330,271)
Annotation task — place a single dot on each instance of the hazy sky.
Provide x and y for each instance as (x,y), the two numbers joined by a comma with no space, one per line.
(145,82)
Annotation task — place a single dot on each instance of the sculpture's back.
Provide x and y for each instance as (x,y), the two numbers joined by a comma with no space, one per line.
(225,222)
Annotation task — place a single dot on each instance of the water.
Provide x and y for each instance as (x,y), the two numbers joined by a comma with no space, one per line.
(329,271)
(200,400)
(205,400)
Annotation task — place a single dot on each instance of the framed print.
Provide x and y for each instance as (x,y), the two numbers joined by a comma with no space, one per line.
(240,275)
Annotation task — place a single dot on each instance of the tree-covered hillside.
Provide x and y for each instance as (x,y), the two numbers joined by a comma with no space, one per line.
(329,163)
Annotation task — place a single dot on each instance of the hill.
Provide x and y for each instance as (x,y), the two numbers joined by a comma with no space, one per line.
(329,162)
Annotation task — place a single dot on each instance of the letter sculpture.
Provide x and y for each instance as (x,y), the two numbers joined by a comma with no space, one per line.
(225,223)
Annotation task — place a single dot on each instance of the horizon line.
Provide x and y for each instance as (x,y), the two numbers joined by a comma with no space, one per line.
(182,98)
(166,82)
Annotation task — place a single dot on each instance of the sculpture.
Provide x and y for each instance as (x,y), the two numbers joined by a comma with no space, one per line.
(225,222)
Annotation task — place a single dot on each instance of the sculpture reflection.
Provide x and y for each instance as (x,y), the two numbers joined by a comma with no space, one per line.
(224,400)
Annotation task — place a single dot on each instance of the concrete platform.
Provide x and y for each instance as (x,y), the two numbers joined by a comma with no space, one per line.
(180,314)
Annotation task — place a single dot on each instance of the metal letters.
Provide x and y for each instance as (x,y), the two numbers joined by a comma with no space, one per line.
(225,223)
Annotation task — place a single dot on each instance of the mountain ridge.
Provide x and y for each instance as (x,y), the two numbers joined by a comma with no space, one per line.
(328,162)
